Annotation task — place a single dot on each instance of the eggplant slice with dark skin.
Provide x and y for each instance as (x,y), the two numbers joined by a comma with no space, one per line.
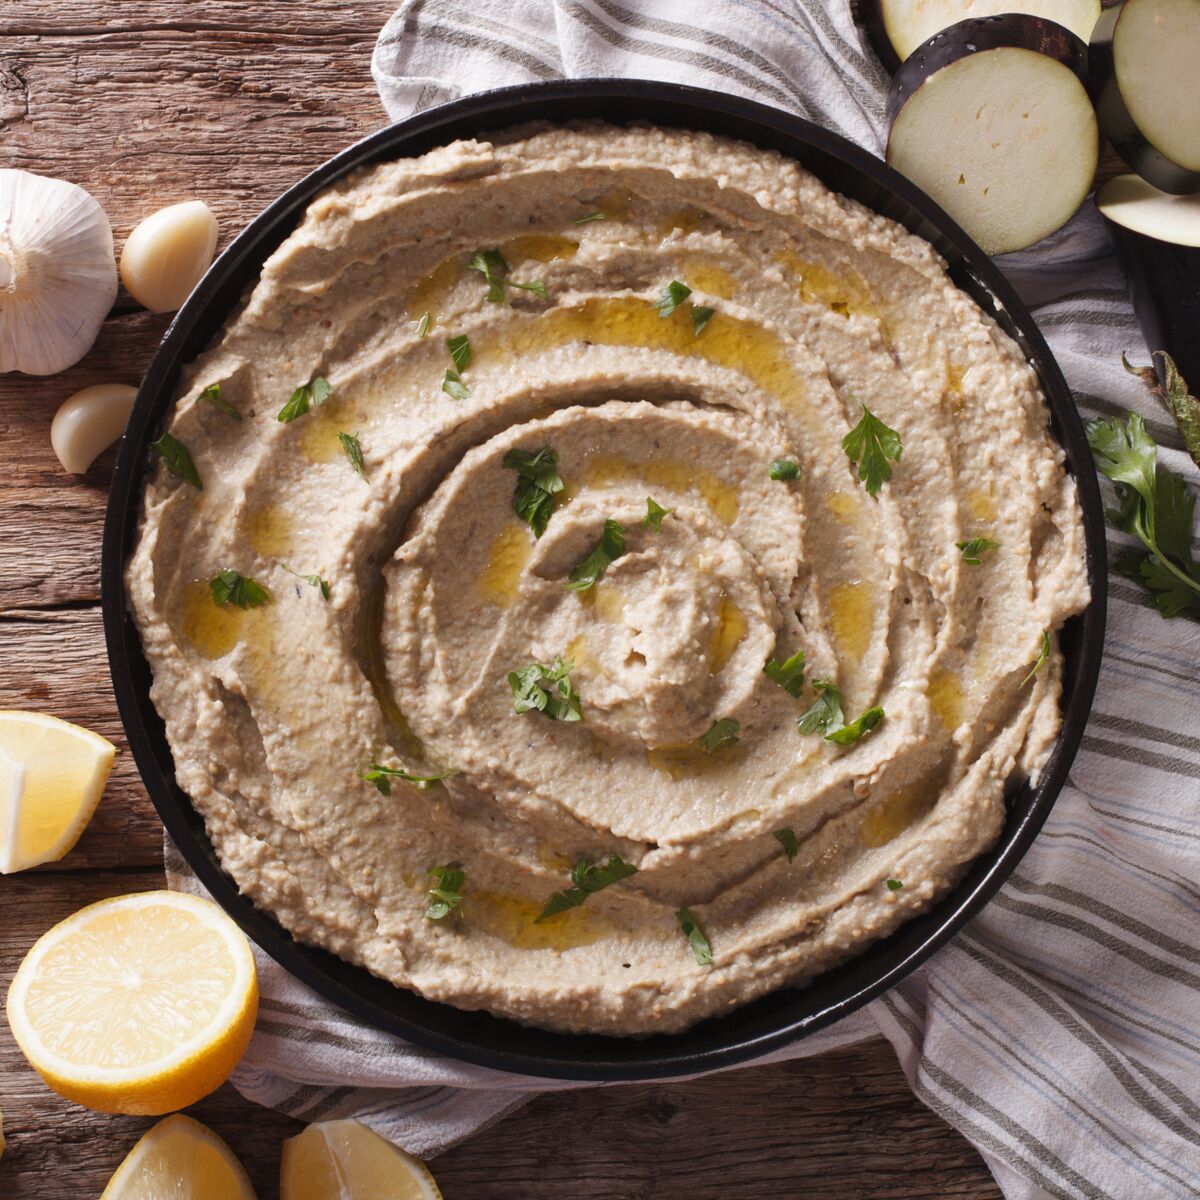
(895,28)
(1145,82)
(1157,239)
(992,118)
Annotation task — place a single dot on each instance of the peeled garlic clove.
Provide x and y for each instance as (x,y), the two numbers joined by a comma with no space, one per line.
(57,275)
(89,422)
(167,254)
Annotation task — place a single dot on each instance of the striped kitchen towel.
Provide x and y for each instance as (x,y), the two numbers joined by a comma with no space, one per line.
(1061,1031)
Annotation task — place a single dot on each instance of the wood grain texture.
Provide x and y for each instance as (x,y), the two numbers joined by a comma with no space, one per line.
(150,101)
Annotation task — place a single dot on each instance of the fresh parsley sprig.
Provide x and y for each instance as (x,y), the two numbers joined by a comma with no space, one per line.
(701,948)
(586,880)
(546,689)
(871,446)
(493,266)
(609,548)
(212,395)
(178,460)
(1156,506)
(789,674)
(307,396)
(446,895)
(232,587)
(381,777)
(720,734)
(538,482)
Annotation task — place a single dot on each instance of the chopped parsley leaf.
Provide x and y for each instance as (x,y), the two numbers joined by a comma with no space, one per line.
(695,936)
(894,885)
(354,453)
(423,324)
(547,690)
(493,266)
(586,880)
(382,777)
(654,515)
(308,395)
(212,395)
(609,548)
(871,446)
(446,895)
(671,297)
(232,587)
(589,218)
(177,460)
(972,548)
(783,469)
(1043,655)
(701,315)
(322,585)
(788,840)
(460,351)
(826,713)
(789,674)
(538,482)
(849,734)
(720,734)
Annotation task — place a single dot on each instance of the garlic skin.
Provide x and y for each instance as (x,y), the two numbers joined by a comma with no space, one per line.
(88,422)
(57,275)
(165,256)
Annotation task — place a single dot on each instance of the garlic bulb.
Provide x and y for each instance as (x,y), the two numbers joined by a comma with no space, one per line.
(165,256)
(89,422)
(57,275)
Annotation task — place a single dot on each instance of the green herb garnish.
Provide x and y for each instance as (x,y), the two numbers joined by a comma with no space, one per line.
(453,385)
(720,734)
(177,460)
(695,936)
(1043,655)
(322,585)
(609,548)
(894,885)
(671,297)
(423,324)
(870,446)
(308,395)
(1180,403)
(446,895)
(789,674)
(460,351)
(784,469)
(212,395)
(826,713)
(547,690)
(382,777)
(788,840)
(354,453)
(232,587)
(654,515)
(538,482)
(701,315)
(586,879)
(1156,506)
(849,734)
(974,547)
(493,266)
(589,218)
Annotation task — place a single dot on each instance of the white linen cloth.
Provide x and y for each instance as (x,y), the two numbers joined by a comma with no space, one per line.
(1060,1032)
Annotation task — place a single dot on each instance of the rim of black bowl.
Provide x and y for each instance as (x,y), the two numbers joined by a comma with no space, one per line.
(788,1013)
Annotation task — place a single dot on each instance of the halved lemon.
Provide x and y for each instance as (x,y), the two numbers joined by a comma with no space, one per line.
(51,777)
(344,1160)
(140,1004)
(179,1159)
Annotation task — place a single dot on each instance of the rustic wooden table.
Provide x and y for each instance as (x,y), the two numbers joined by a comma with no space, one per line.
(144,103)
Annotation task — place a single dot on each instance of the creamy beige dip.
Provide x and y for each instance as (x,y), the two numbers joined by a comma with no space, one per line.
(438,589)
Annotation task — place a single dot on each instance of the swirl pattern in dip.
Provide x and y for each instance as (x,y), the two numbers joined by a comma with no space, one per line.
(783,852)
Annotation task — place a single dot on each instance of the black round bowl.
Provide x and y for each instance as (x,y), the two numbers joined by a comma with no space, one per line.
(477,1037)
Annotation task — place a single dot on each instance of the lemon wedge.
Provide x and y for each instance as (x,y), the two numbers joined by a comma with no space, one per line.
(179,1159)
(51,778)
(344,1160)
(140,1004)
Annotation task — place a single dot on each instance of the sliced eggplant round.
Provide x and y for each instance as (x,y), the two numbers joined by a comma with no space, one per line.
(992,118)
(1145,59)
(1157,239)
(895,28)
